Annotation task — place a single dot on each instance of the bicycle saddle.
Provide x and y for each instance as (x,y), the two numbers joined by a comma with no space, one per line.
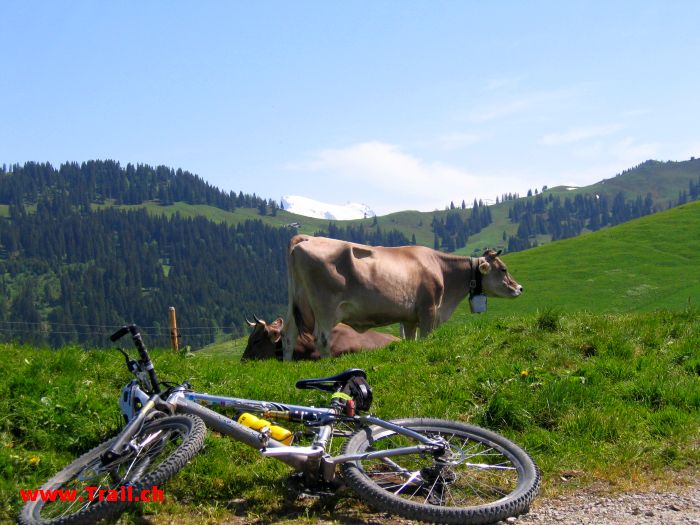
(332,383)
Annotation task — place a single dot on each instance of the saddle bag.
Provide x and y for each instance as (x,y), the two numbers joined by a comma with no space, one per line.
(358,388)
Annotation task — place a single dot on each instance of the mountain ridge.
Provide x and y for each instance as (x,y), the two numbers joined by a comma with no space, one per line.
(95,245)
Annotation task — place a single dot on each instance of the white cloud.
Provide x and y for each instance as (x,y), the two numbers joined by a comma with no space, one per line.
(534,103)
(601,160)
(381,165)
(682,150)
(455,141)
(398,180)
(499,111)
(629,150)
(579,134)
(503,83)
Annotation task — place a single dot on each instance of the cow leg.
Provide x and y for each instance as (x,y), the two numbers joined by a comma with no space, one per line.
(429,321)
(322,333)
(291,333)
(323,341)
(409,331)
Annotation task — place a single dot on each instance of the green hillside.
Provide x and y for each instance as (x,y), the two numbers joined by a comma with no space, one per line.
(663,181)
(649,263)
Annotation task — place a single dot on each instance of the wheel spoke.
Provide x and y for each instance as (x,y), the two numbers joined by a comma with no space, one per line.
(468,473)
(408,482)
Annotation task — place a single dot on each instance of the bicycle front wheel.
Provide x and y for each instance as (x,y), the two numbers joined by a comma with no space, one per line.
(88,490)
(480,477)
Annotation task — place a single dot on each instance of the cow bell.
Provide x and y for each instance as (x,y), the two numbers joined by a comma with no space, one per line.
(477,303)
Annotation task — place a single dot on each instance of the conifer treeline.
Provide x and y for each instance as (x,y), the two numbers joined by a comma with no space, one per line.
(547,215)
(69,272)
(452,230)
(105,268)
(98,181)
(363,235)
(692,194)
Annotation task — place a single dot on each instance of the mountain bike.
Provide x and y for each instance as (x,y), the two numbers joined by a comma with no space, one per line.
(419,468)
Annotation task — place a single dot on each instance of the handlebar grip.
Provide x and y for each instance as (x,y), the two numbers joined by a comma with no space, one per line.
(119,334)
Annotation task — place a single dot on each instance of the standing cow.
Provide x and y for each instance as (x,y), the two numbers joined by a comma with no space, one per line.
(265,342)
(332,281)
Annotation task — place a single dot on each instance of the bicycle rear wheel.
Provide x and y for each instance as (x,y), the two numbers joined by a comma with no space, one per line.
(72,496)
(480,478)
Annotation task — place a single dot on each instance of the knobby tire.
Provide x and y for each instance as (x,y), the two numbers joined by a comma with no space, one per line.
(177,438)
(482,478)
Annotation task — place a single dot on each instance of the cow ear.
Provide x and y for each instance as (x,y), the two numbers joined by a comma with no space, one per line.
(484,268)
(274,330)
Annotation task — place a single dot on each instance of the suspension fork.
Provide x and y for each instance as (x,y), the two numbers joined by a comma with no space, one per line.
(129,431)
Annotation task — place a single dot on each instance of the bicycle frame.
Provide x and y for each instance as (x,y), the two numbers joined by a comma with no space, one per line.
(313,460)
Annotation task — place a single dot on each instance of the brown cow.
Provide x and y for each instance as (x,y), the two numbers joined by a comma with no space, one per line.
(265,342)
(332,281)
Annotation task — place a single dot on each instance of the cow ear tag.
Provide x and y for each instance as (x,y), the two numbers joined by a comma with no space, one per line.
(477,303)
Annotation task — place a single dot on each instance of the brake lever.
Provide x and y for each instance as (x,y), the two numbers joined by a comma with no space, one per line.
(131,364)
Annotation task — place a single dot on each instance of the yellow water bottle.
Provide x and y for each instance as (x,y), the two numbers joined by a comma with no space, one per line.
(276,432)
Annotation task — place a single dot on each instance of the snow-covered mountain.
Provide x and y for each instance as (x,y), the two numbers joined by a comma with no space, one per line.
(321,210)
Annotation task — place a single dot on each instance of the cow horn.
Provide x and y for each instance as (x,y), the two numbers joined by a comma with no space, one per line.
(256,319)
(251,323)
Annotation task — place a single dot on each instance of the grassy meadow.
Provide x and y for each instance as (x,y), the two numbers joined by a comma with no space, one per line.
(595,398)
(595,371)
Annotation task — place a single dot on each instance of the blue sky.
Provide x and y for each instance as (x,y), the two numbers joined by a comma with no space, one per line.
(396,104)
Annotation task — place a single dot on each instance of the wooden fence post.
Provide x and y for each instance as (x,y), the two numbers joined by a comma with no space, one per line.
(174,337)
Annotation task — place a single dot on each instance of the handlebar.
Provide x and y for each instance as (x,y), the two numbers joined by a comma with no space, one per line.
(116,336)
(143,352)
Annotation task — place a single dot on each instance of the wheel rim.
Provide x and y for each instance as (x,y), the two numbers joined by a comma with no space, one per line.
(471,471)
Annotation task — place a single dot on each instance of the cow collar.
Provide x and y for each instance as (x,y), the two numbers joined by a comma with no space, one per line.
(475,278)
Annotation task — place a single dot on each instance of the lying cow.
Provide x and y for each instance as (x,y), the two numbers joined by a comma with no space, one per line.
(265,342)
(332,281)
